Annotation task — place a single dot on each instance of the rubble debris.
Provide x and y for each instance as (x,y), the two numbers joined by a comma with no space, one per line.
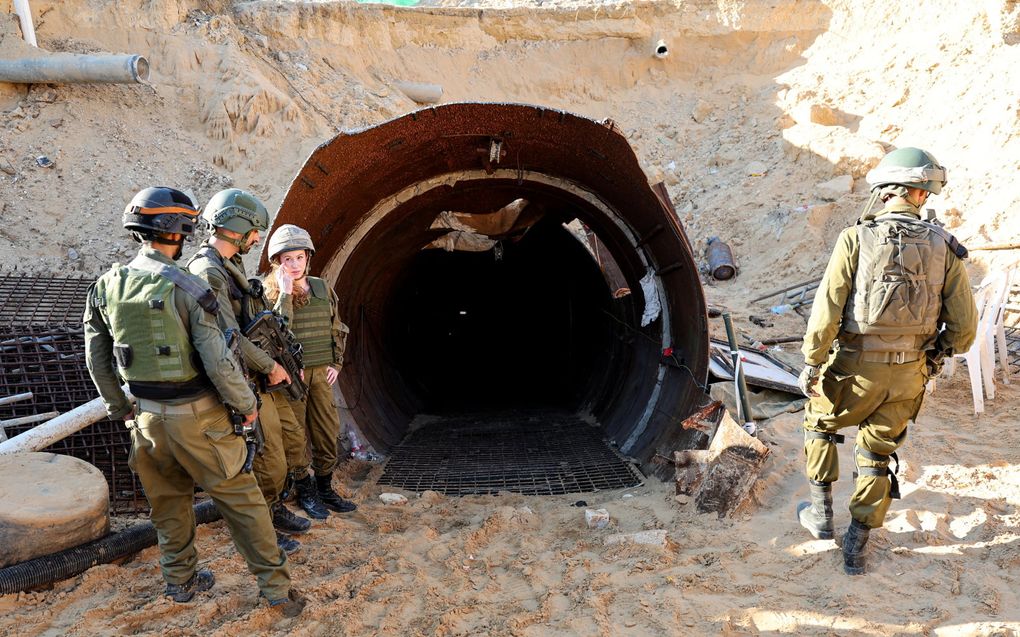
(835,188)
(392,498)
(720,478)
(656,537)
(596,518)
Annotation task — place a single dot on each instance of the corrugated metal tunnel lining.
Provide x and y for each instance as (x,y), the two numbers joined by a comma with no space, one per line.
(529,323)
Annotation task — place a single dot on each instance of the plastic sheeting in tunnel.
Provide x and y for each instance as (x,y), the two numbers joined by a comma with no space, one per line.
(530,322)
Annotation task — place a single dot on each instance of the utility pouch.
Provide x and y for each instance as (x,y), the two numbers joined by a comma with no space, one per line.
(123,354)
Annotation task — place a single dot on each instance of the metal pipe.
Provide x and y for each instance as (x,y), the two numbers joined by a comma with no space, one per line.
(738,375)
(27,420)
(70,68)
(421,92)
(996,246)
(6,400)
(813,283)
(62,426)
(25,15)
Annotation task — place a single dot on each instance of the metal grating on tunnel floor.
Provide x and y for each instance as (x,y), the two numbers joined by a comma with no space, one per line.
(545,453)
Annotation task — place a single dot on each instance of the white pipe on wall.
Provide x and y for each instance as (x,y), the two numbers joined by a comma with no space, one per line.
(24,13)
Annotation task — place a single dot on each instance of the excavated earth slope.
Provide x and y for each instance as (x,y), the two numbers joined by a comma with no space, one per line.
(762,121)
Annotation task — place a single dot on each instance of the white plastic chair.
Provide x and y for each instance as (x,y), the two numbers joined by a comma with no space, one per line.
(989,300)
(998,329)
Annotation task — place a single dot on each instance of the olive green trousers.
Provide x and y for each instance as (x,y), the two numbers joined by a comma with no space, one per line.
(270,466)
(317,416)
(174,447)
(877,398)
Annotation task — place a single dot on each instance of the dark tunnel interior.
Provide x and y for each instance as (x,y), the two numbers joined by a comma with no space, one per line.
(524,325)
(480,336)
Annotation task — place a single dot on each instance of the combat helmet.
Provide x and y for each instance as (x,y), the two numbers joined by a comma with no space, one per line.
(290,237)
(238,211)
(910,168)
(158,211)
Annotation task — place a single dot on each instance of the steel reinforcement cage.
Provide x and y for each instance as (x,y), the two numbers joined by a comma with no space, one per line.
(42,350)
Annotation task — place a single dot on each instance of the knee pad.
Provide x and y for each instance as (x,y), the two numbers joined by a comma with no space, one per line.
(881,471)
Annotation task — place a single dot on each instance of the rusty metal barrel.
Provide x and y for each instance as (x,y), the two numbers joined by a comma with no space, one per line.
(720,259)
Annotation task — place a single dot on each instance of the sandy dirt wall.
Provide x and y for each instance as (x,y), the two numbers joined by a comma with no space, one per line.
(757,109)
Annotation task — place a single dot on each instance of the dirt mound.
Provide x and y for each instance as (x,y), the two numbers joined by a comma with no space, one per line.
(761,120)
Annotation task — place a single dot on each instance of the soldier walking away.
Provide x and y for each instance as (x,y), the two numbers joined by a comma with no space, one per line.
(153,325)
(311,308)
(894,301)
(237,217)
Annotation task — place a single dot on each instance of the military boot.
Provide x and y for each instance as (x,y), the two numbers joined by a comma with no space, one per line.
(854,539)
(308,498)
(287,543)
(816,515)
(289,606)
(330,498)
(287,522)
(203,580)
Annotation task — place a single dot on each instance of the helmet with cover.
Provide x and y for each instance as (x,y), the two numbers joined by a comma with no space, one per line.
(290,237)
(908,168)
(238,211)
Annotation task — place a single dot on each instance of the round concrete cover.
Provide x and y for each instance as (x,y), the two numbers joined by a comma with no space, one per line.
(49,502)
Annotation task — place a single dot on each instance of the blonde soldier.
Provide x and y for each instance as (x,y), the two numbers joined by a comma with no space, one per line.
(157,324)
(896,299)
(237,218)
(311,307)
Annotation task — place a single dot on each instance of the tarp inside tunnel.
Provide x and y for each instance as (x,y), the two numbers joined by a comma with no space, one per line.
(531,322)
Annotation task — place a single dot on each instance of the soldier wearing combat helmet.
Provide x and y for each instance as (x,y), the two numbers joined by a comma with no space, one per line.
(311,308)
(237,218)
(153,325)
(895,299)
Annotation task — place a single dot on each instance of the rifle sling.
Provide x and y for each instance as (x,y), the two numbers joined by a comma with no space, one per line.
(181,279)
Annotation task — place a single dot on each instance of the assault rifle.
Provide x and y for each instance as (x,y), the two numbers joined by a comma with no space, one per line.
(254,440)
(269,332)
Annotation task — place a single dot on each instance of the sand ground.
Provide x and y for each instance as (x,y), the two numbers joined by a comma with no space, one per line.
(762,122)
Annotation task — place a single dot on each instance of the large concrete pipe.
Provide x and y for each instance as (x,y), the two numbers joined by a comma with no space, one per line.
(533,321)
(70,68)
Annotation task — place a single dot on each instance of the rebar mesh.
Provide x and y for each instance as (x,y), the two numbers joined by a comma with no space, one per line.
(539,453)
(32,300)
(42,350)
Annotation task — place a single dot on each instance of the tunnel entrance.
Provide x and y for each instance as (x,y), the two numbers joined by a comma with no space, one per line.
(512,318)
(525,325)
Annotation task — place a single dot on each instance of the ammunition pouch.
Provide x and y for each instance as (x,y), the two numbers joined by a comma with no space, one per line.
(123,354)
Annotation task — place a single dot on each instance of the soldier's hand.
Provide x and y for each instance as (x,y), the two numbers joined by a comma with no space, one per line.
(284,281)
(808,378)
(278,375)
(331,374)
(250,418)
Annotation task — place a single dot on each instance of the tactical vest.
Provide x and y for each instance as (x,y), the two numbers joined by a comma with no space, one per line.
(312,325)
(152,346)
(897,292)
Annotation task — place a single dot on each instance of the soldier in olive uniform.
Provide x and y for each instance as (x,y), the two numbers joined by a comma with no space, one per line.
(895,299)
(237,217)
(311,308)
(153,324)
